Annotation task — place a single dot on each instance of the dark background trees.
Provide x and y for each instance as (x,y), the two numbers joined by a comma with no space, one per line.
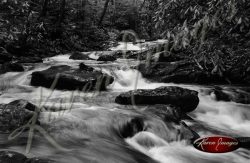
(209,31)
(48,27)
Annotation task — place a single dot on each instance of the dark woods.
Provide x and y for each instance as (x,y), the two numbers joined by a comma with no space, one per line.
(47,27)
(214,34)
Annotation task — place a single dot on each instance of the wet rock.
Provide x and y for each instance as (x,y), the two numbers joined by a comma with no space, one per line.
(29,59)
(178,72)
(84,67)
(132,127)
(12,157)
(186,99)
(80,56)
(106,58)
(15,115)
(230,94)
(11,67)
(125,54)
(71,79)
(167,113)
(5,56)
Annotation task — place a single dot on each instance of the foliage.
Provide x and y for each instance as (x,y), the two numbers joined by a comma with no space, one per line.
(44,27)
(211,30)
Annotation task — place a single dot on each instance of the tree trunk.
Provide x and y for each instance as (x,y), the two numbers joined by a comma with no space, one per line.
(62,12)
(44,8)
(104,12)
(61,16)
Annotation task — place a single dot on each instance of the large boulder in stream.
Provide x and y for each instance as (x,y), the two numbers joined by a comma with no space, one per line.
(14,157)
(15,114)
(106,58)
(238,95)
(80,56)
(68,78)
(184,71)
(186,99)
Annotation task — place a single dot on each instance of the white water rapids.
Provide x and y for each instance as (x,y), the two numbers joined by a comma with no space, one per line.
(88,129)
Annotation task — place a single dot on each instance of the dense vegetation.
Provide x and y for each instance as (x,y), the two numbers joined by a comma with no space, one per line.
(215,33)
(28,27)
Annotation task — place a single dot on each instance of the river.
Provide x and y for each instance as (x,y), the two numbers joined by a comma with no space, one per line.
(90,129)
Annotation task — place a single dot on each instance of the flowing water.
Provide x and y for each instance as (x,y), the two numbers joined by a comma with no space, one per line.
(92,128)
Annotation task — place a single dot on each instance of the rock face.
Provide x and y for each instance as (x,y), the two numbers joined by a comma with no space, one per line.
(71,79)
(15,115)
(80,56)
(14,157)
(186,99)
(11,67)
(178,72)
(106,58)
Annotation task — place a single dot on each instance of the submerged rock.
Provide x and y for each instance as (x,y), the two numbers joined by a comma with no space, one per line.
(39,160)
(14,157)
(71,79)
(186,99)
(132,127)
(11,67)
(167,113)
(15,115)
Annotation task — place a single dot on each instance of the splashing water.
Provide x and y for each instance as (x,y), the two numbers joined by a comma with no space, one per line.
(92,127)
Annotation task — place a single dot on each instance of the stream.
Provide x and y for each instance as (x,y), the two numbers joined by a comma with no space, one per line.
(88,124)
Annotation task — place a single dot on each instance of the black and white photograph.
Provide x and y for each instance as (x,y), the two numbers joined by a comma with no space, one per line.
(124,81)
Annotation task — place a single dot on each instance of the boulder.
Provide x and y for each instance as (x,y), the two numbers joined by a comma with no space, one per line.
(106,58)
(11,67)
(230,94)
(71,79)
(84,67)
(15,115)
(184,71)
(186,99)
(80,56)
